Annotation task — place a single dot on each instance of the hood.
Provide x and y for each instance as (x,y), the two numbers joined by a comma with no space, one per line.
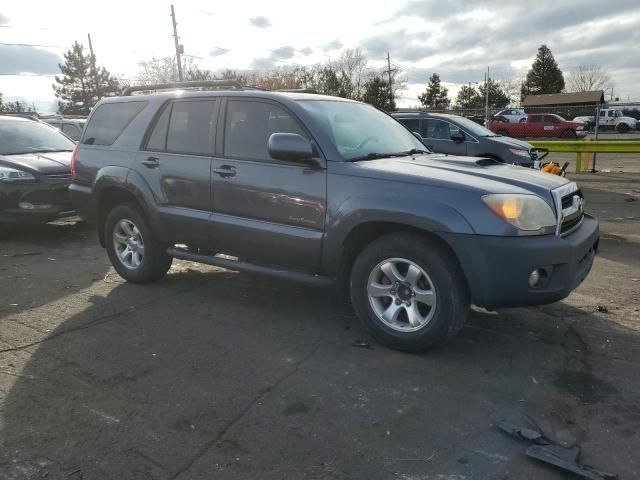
(44,163)
(511,142)
(468,173)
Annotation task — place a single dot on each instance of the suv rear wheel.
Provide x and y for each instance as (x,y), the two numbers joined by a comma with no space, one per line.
(132,247)
(409,292)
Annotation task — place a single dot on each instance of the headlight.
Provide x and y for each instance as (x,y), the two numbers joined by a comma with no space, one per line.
(14,175)
(528,213)
(520,153)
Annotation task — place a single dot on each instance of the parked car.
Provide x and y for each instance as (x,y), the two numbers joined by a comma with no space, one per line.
(71,127)
(540,125)
(34,171)
(326,190)
(513,115)
(609,119)
(456,135)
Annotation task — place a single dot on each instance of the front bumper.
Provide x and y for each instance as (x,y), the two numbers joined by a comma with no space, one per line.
(41,201)
(498,268)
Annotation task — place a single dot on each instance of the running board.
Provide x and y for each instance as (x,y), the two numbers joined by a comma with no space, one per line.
(250,267)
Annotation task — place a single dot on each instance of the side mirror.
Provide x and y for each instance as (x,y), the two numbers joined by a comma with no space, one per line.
(290,147)
(418,136)
(458,137)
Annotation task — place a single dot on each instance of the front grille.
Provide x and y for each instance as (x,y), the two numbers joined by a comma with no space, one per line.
(572,214)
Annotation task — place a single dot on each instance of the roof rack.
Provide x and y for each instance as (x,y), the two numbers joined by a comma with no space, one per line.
(297,90)
(208,84)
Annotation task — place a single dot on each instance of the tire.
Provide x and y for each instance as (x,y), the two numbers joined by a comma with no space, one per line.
(438,280)
(522,120)
(568,134)
(503,132)
(126,228)
(622,128)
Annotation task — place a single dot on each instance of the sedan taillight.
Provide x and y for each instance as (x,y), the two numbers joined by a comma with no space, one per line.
(73,161)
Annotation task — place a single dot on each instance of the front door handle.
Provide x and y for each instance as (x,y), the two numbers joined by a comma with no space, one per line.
(225,171)
(151,162)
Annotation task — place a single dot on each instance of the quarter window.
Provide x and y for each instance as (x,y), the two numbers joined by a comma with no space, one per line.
(249,125)
(109,121)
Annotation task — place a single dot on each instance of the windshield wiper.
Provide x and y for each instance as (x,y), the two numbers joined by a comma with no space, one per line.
(376,155)
(50,150)
(416,151)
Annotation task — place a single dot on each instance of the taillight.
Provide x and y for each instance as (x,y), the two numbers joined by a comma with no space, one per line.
(74,153)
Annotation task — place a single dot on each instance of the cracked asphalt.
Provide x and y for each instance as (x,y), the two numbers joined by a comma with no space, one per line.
(214,374)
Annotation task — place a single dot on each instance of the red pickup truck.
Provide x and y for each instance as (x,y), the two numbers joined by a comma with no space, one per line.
(539,125)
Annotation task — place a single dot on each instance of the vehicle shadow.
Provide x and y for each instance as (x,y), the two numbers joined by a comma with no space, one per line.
(40,263)
(216,373)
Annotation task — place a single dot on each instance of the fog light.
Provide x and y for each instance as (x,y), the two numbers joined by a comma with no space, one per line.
(31,206)
(534,278)
(537,277)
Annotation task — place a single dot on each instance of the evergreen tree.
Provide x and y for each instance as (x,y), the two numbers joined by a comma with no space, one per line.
(468,97)
(544,76)
(497,96)
(376,93)
(82,83)
(435,96)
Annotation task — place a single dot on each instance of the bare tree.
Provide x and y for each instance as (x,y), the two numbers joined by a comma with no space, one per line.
(165,70)
(351,65)
(586,78)
(510,87)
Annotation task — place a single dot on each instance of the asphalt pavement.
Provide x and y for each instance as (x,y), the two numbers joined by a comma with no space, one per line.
(215,374)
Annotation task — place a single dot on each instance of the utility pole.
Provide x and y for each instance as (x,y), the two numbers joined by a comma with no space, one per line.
(177,42)
(487,79)
(93,67)
(389,73)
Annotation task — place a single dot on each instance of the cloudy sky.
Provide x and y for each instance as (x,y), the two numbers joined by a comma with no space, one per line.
(456,38)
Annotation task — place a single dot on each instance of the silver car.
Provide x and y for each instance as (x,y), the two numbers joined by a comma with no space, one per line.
(513,115)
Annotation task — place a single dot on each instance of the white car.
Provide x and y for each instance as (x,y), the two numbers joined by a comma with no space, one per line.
(513,115)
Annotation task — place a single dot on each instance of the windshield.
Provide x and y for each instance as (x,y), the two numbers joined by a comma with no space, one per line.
(474,128)
(359,130)
(27,136)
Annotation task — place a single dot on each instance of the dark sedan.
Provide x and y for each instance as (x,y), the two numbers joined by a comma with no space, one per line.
(456,135)
(35,162)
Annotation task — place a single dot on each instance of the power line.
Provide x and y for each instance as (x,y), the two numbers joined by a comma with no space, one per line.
(30,45)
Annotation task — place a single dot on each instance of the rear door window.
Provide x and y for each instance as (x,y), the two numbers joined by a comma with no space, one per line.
(109,121)
(249,124)
(186,127)
(535,118)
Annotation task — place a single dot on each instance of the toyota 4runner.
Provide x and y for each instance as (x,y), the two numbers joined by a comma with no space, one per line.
(328,191)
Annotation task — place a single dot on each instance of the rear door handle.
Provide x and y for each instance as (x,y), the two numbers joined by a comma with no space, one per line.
(151,162)
(225,171)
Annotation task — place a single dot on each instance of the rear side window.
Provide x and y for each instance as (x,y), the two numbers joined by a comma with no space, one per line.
(109,121)
(412,124)
(535,119)
(250,124)
(186,127)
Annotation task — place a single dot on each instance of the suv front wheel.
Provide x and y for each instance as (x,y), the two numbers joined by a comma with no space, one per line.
(409,292)
(134,251)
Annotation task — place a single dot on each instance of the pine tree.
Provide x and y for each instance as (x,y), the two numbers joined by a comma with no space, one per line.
(497,97)
(435,96)
(376,93)
(468,97)
(81,85)
(544,76)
